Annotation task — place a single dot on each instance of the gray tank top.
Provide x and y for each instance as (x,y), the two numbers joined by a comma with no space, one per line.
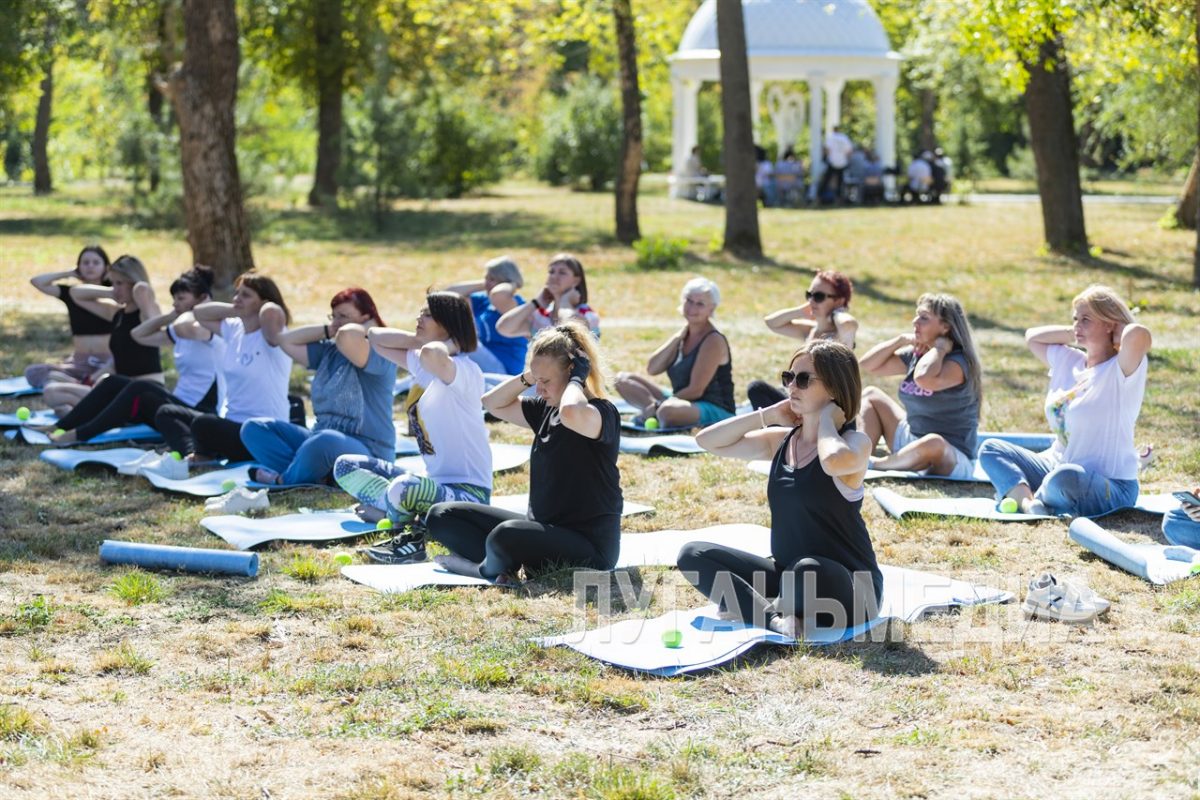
(719,391)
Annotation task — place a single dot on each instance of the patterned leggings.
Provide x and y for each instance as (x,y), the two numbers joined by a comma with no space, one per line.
(400,494)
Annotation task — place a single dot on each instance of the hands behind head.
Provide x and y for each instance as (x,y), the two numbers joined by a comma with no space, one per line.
(1118,330)
(943,343)
(835,413)
(545,297)
(570,298)
(781,414)
(581,367)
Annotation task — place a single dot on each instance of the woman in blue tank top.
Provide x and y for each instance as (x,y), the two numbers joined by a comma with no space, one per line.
(822,571)
(696,360)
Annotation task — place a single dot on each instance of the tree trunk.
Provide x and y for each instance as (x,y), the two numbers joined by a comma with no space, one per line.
(331,76)
(1186,211)
(741,195)
(41,133)
(204,92)
(1055,148)
(630,168)
(928,137)
(157,68)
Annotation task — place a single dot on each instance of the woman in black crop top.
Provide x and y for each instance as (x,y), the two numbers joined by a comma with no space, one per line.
(696,360)
(822,571)
(89,332)
(125,304)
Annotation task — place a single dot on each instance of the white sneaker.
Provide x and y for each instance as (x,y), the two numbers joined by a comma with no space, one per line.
(134,467)
(1064,601)
(238,501)
(168,466)
(785,625)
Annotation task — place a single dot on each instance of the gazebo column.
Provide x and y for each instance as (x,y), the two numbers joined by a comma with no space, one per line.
(683,127)
(756,90)
(885,125)
(833,104)
(815,138)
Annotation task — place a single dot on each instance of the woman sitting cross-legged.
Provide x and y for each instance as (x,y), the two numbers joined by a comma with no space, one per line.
(445,417)
(119,400)
(824,315)
(89,331)
(575,502)
(254,368)
(351,399)
(697,362)
(934,426)
(1092,406)
(822,571)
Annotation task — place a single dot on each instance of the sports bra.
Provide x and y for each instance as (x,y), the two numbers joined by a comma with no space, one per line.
(83,322)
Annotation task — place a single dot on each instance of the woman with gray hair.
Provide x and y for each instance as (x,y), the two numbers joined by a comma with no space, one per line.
(490,298)
(933,428)
(697,362)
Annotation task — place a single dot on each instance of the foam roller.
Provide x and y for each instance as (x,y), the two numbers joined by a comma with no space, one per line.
(181,559)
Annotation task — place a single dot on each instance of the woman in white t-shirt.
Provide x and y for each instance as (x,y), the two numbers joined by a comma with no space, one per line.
(254,368)
(446,417)
(1092,406)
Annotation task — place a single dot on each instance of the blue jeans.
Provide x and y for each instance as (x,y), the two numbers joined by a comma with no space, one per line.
(1065,489)
(297,454)
(1181,529)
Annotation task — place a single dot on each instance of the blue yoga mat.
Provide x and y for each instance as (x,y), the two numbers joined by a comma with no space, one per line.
(16,387)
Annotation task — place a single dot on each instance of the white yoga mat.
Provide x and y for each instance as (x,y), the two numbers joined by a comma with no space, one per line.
(677,444)
(211,484)
(42,416)
(70,459)
(898,505)
(129,433)
(660,548)
(16,387)
(1151,562)
(504,458)
(328,526)
(708,640)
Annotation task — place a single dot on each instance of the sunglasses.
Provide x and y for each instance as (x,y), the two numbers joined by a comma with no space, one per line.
(820,297)
(801,379)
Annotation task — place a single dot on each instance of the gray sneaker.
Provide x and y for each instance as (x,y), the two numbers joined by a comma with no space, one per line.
(1051,598)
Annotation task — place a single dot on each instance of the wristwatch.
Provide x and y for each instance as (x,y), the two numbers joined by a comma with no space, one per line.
(523,381)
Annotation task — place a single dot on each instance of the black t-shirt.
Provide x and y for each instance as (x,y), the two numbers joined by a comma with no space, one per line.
(83,322)
(573,480)
(810,517)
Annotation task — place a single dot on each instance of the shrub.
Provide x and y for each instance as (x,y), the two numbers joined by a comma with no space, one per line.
(581,136)
(660,252)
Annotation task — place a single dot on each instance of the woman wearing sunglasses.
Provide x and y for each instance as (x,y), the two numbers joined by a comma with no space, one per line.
(697,362)
(823,315)
(445,416)
(933,428)
(822,571)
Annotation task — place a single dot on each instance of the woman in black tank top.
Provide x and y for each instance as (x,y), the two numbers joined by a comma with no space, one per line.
(125,304)
(696,360)
(822,571)
(89,331)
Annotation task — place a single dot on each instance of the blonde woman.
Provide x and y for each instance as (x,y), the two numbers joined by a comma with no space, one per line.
(575,500)
(126,304)
(933,427)
(1098,370)
(696,360)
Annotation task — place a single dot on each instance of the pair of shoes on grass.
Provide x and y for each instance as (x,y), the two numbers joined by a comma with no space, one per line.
(1050,597)
(169,465)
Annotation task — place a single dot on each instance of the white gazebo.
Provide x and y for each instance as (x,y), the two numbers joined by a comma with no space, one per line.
(822,42)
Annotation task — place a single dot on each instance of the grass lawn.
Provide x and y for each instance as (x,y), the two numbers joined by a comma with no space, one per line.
(116,683)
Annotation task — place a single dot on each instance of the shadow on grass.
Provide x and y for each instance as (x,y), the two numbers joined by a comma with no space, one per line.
(32,339)
(883,657)
(1102,264)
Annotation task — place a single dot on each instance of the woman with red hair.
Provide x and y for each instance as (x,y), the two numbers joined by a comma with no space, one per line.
(351,398)
(824,315)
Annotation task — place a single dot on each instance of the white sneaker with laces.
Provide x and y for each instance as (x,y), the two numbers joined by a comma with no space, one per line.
(238,501)
(134,467)
(166,465)
(1062,600)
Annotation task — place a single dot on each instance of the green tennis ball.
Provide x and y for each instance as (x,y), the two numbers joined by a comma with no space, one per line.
(228,485)
(59,431)
(384,524)
(343,559)
(672,638)
(652,424)
(178,456)
(1009,506)
(23,413)
(1195,570)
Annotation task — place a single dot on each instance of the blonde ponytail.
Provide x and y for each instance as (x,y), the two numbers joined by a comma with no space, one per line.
(563,341)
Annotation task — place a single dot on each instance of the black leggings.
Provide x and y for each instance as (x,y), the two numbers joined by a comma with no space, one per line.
(762,394)
(741,584)
(190,431)
(118,400)
(501,542)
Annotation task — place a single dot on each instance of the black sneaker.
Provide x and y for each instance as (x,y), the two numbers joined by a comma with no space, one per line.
(406,549)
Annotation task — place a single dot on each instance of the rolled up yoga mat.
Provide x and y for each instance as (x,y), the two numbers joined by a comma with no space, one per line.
(183,559)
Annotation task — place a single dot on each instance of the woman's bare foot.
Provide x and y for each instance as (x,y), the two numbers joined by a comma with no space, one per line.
(264,475)
(458,565)
(369,513)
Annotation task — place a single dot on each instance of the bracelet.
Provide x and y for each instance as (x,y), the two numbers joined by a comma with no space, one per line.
(762,420)
(536,304)
(327,331)
(524,382)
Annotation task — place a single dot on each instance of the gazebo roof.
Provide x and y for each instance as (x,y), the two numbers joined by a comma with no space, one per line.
(839,33)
